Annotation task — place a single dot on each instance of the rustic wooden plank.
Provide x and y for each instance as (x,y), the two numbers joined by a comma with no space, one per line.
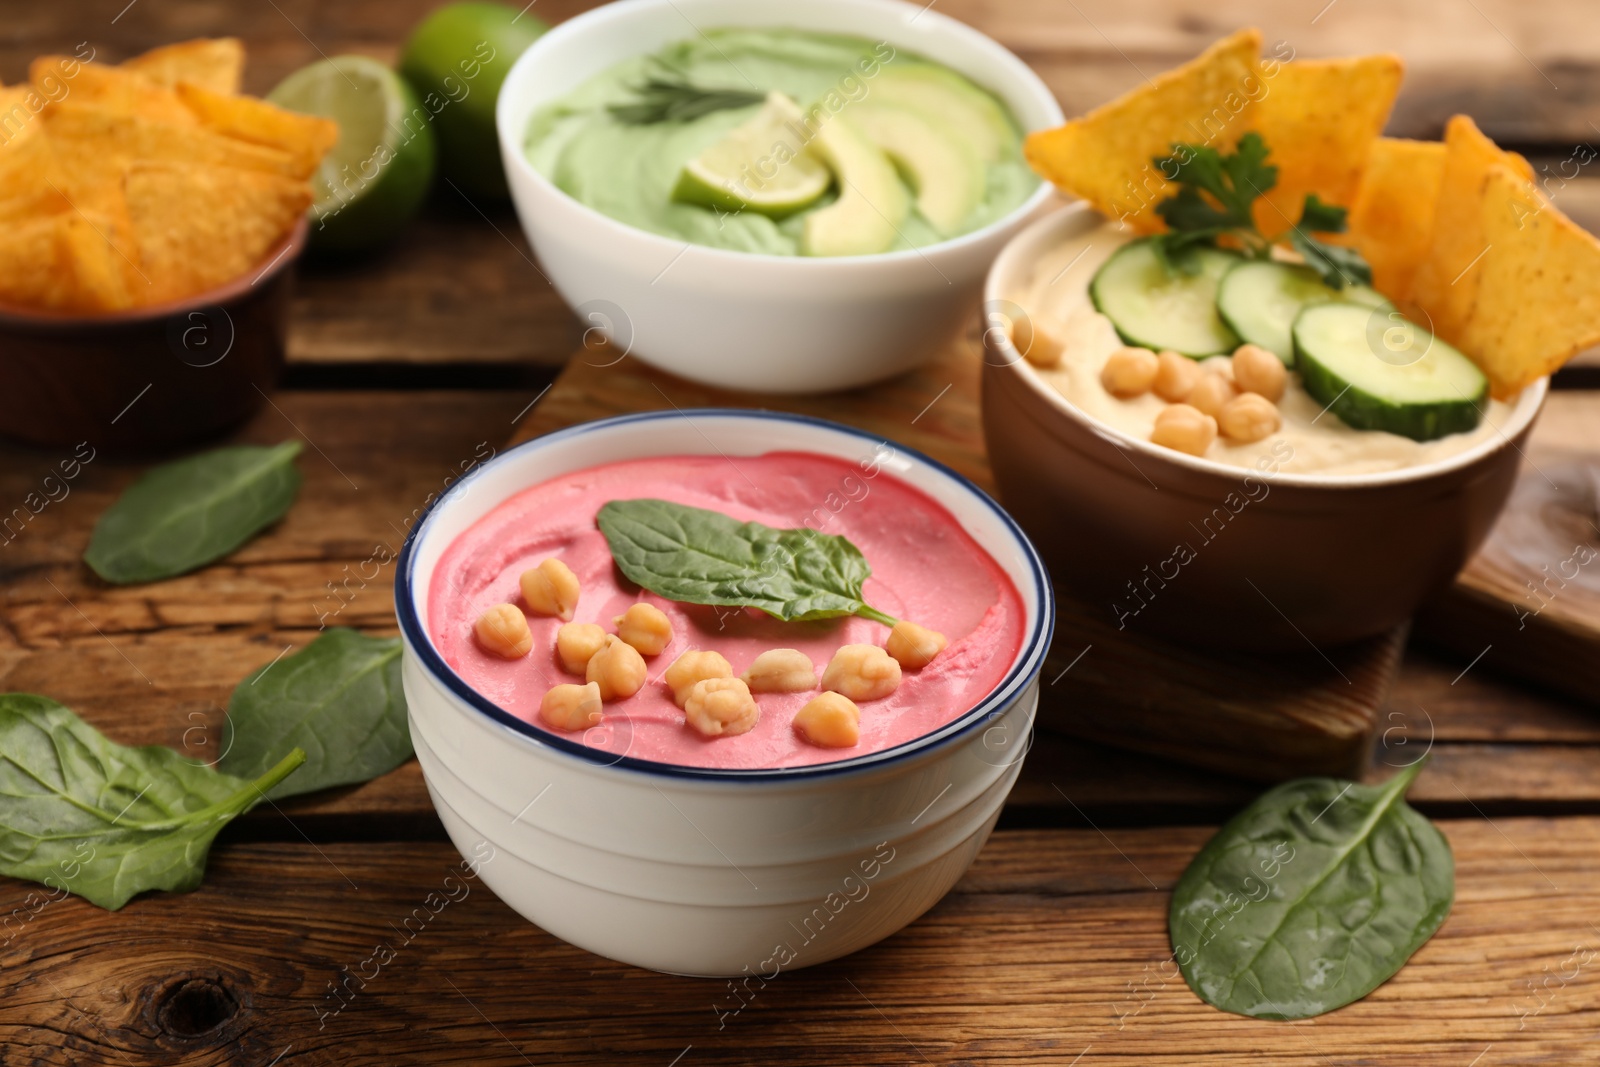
(1529,603)
(1257,717)
(1053,947)
(456,286)
(155,664)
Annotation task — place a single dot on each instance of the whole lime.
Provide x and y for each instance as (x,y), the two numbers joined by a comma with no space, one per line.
(378,173)
(456,60)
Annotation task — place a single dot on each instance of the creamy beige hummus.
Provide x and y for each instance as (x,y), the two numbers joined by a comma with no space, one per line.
(1058,297)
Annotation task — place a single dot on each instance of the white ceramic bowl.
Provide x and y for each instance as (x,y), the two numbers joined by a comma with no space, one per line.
(776,324)
(701,871)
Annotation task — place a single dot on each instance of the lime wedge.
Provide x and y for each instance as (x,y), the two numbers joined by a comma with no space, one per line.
(761,166)
(376,177)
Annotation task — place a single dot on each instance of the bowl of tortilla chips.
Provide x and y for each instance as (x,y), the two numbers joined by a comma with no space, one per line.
(150,219)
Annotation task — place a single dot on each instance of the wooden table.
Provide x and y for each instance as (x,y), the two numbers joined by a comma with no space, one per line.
(1052,950)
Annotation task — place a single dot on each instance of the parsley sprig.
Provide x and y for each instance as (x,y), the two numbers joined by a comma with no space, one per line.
(1214,199)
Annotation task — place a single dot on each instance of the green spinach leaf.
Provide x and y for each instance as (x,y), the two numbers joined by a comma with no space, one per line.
(1311,898)
(87,816)
(697,556)
(185,514)
(339,699)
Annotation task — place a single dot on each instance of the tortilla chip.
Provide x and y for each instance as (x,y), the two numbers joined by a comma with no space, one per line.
(27,167)
(33,204)
(1537,304)
(92,143)
(199,226)
(19,113)
(1446,282)
(1391,219)
(1105,156)
(216,64)
(306,138)
(59,78)
(63,263)
(1320,118)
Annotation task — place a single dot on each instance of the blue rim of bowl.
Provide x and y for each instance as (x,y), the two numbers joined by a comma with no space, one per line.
(1028,665)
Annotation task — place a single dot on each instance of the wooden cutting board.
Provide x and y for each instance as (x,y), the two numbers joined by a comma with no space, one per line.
(1260,718)
(1529,603)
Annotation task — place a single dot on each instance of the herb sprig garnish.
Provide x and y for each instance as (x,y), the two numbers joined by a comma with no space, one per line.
(1214,199)
(671,97)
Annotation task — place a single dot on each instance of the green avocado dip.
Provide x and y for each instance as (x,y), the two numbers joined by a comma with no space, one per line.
(785,142)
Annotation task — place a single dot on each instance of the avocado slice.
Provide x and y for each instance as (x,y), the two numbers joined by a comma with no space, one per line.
(947,175)
(950,101)
(872,200)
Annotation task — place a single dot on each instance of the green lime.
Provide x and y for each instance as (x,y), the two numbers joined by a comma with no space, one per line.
(762,165)
(378,174)
(456,60)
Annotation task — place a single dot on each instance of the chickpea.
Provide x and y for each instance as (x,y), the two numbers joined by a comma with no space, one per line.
(1256,370)
(571,707)
(781,670)
(692,667)
(503,630)
(862,672)
(1249,417)
(645,627)
(829,721)
(913,646)
(1129,372)
(1037,343)
(1185,428)
(617,668)
(1210,393)
(1175,376)
(551,589)
(576,644)
(721,707)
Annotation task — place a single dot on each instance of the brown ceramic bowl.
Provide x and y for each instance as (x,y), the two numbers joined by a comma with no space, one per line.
(149,377)
(1323,559)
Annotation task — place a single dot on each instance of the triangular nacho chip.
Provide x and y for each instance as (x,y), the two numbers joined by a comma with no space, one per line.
(198,226)
(1446,282)
(1320,118)
(306,138)
(1537,302)
(211,63)
(89,139)
(1391,220)
(63,262)
(19,114)
(1105,156)
(59,78)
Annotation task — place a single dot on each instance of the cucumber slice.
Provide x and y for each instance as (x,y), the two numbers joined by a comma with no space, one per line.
(1260,298)
(1155,309)
(1377,371)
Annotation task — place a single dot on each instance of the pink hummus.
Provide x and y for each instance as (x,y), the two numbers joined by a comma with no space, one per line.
(924,568)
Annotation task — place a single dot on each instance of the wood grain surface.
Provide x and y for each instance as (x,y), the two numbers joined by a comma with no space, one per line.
(1052,950)
(1529,602)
